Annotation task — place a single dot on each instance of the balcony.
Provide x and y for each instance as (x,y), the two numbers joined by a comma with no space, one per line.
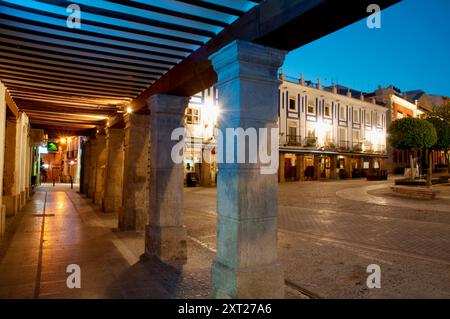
(293,140)
(310,141)
(343,146)
(357,147)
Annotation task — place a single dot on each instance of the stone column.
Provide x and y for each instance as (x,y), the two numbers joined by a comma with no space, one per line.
(134,211)
(246,264)
(100,169)
(348,166)
(92,167)
(300,163)
(317,171)
(382,164)
(3,107)
(165,233)
(114,170)
(206,178)
(333,160)
(371,165)
(11,198)
(86,166)
(281,170)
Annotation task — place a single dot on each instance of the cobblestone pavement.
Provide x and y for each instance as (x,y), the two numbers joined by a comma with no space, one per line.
(327,240)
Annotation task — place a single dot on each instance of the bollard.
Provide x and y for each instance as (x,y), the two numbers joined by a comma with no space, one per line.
(71,182)
(53,182)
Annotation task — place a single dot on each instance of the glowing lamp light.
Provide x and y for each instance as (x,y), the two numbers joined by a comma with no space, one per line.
(45,166)
(63,140)
(129,110)
(211,113)
(72,163)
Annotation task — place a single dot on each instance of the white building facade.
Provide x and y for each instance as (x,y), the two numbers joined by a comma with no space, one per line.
(322,134)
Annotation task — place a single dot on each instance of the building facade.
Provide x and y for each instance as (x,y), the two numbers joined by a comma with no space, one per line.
(322,134)
(407,104)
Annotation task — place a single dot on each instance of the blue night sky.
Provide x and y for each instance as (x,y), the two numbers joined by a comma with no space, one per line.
(410,51)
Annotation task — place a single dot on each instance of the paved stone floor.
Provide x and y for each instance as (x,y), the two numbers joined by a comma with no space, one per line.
(74,231)
(329,232)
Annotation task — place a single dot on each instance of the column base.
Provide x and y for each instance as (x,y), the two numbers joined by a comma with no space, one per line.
(262,282)
(85,189)
(98,198)
(132,219)
(23,199)
(166,243)
(111,204)
(11,203)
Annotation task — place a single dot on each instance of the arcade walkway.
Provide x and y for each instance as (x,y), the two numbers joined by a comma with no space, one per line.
(59,227)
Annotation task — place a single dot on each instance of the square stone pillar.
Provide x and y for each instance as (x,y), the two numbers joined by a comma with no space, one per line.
(281,168)
(86,166)
(205,175)
(11,195)
(333,160)
(349,167)
(300,166)
(246,264)
(317,170)
(100,169)
(371,165)
(114,170)
(134,211)
(165,233)
(92,168)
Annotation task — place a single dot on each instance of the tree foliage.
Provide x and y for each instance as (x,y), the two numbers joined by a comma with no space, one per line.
(412,134)
(443,133)
(442,112)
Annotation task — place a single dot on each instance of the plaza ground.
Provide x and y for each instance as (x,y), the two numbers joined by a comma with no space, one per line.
(328,233)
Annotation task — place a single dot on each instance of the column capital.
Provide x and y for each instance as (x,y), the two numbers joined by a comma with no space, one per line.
(135,119)
(245,59)
(165,103)
(113,131)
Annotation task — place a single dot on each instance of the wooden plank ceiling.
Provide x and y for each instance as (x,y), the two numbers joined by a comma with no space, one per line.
(74,79)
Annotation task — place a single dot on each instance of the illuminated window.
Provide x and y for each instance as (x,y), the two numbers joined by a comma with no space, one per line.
(192,116)
(342,113)
(327,110)
(342,134)
(368,118)
(311,107)
(379,120)
(292,104)
(355,116)
(356,135)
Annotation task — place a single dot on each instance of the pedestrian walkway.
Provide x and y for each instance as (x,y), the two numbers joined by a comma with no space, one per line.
(59,227)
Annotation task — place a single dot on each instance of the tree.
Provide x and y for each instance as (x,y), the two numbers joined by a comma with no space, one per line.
(440,118)
(442,112)
(412,134)
(443,133)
